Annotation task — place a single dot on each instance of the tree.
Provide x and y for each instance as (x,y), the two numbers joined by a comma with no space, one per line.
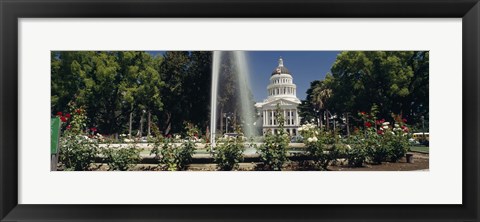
(198,88)
(110,85)
(321,93)
(65,78)
(174,71)
(307,109)
(397,82)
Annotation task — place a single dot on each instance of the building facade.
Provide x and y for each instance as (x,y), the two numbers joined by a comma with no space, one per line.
(281,91)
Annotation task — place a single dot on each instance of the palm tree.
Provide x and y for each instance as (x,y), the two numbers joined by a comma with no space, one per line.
(320,95)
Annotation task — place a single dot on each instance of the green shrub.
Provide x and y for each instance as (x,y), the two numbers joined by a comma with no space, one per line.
(399,147)
(77,152)
(397,142)
(377,151)
(322,147)
(229,154)
(356,151)
(121,158)
(319,154)
(78,149)
(173,157)
(273,152)
(384,141)
(185,154)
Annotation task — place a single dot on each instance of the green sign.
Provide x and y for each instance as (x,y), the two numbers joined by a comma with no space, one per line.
(54,134)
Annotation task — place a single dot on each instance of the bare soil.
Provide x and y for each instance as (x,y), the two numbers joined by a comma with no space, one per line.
(420,162)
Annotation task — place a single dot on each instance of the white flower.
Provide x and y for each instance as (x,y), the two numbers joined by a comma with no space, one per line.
(300,129)
(177,137)
(339,136)
(385,127)
(349,147)
(310,139)
(396,125)
(393,133)
(123,135)
(386,123)
(316,132)
(314,139)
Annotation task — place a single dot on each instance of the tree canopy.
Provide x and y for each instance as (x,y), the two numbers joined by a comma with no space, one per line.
(395,81)
(112,86)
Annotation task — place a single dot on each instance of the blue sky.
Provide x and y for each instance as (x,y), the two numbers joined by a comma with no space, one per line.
(305,67)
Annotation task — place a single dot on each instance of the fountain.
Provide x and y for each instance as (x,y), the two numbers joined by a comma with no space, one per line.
(242,79)
(217,58)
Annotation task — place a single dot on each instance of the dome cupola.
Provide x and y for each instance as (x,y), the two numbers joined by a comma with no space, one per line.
(280,68)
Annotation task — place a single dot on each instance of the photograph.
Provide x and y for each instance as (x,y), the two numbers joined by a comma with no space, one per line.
(204,110)
(239,110)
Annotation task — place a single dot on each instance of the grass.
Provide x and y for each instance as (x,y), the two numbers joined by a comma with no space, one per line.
(422,149)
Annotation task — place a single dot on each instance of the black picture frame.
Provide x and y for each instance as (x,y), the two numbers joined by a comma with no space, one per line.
(11,11)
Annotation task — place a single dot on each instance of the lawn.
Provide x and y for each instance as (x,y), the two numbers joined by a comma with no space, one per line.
(422,149)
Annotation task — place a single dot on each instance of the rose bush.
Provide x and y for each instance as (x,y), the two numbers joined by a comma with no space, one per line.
(320,145)
(383,140)
(78,149)
(229,153)
(172,157)
(273,152)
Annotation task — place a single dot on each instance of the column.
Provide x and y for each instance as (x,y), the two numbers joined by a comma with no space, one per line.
(267,112)
(264,117)
(296,116)
(291,116)
(268,117)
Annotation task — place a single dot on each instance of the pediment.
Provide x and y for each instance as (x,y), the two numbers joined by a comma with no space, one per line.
(282,102)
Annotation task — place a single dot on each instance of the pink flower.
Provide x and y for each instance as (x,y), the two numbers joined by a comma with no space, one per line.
(68,115)
(368,124)
(63,119)
(59,113)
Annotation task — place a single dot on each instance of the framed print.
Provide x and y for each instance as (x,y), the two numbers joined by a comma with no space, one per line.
(266,110)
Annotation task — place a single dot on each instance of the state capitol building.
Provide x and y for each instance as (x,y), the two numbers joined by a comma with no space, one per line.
(282,91)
